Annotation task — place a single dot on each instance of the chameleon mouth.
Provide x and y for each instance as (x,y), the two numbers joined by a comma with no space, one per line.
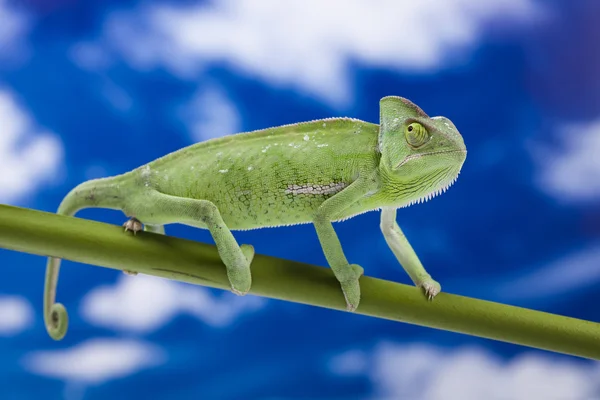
(417,156)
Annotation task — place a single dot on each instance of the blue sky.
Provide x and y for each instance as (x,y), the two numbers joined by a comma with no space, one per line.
(91,89)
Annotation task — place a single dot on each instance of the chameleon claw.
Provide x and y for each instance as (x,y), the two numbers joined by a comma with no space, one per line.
(431,288)
(352,300)
(239,292)
(350,307)
(133,224)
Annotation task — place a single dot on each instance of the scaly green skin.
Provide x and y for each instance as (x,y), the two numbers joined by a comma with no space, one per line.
(312,172)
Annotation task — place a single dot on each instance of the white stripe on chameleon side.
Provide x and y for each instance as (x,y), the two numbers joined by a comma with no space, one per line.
(309,188)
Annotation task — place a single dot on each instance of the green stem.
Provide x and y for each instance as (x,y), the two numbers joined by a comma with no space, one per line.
(97,243)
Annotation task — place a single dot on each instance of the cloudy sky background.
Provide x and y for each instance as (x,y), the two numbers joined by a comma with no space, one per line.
(96,88)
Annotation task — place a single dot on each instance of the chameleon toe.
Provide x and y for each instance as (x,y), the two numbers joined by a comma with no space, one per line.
(133,224)
(431,288)
(351,288)
(248,251)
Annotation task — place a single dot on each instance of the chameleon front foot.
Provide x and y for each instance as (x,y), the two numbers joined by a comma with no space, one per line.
(240,278)
(431,288)
(134,225)
(351,288)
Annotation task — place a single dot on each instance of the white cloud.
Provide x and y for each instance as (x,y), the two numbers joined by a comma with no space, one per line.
(144,303)
(574,272)
(14,26)
(16,315)
(29,156)
(306,45)
(210,114)
(423,372)
(571,172)
(95,361)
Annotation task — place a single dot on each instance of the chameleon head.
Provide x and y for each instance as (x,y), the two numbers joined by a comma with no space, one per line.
(420,156)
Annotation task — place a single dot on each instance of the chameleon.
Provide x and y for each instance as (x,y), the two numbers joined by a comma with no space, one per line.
(317,172)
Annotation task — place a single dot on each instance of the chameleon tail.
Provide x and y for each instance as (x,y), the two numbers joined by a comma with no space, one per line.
(95,193)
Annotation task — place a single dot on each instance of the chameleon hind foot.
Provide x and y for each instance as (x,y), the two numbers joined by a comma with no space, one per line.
(351,287)
(241,278)
(134,225)
(431,288)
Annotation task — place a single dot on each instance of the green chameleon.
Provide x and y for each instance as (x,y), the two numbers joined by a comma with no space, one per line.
(312,172)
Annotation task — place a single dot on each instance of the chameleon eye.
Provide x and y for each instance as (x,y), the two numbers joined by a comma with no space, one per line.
(416,135)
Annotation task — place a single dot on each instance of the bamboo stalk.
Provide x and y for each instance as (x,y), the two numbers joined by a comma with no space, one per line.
(106,245)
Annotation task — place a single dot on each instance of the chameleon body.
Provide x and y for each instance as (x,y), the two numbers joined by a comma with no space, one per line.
(313,172)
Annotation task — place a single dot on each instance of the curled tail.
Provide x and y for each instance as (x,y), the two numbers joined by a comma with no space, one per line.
(103,193)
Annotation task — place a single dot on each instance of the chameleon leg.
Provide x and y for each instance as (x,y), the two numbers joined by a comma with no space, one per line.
(405,253)
(347,274)
(172,209)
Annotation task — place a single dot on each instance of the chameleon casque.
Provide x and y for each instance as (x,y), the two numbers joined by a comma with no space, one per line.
(312,172)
